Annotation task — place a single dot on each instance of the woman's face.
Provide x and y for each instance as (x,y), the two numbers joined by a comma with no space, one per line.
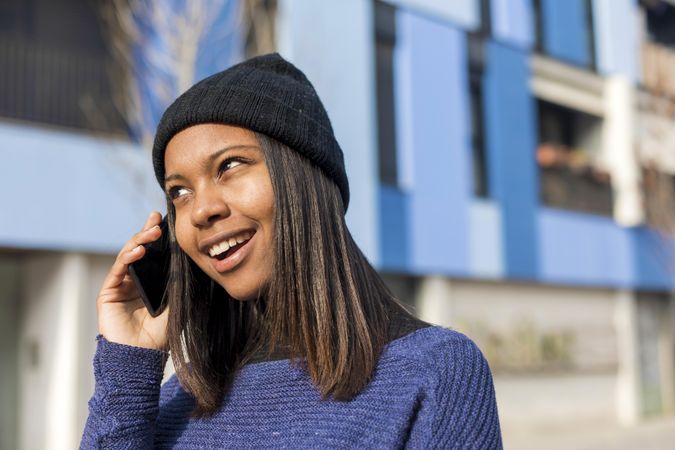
(218,181)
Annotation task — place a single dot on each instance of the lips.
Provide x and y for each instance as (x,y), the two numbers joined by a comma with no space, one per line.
(226,245)
(230,259)
(206,245)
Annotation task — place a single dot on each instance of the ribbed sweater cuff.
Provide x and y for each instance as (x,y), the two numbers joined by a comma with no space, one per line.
(128,378)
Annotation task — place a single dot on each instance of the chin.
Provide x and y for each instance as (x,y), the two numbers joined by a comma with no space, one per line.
(242,298)
(242,295)
(243,286)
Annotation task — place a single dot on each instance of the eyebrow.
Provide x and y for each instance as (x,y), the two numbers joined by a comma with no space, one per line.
(212,157)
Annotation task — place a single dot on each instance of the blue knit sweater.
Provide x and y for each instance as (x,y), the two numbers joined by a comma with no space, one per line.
(432,388)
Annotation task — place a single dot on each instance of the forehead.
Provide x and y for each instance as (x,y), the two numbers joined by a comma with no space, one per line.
(199,141)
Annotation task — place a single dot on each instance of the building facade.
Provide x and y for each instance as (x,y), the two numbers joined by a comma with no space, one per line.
(513,160)
(502,151)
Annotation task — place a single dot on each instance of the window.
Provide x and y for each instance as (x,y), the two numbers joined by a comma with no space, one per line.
(55,66)
(538,27)
(385,41)
(657,55)
(476,69)
(660,22)
(485,18)
(569,142)
(590,34)
(540,24)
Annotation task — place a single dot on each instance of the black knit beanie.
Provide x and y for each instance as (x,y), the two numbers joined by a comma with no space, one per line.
(266,94)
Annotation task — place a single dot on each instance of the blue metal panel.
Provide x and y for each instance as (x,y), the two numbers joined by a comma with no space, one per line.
(510,142)
(463,13)
(583,249)
(333,44)
(394,230)
(565,32)
(653,259)
(512,22)
(72,192)
(616,37)
(438,137)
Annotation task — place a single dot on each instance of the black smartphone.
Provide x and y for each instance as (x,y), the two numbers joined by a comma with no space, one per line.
(151,272)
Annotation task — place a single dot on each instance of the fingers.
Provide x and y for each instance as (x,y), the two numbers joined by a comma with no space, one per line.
(149,233)
(153,219)
(120,267)
(133,250)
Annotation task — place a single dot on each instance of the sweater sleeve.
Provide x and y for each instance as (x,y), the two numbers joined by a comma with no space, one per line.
(460,411)
(125,404)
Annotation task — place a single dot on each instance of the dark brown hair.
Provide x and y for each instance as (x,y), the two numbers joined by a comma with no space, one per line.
(325,306)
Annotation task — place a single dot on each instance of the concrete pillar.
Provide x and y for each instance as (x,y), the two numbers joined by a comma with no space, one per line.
(433,300)
(619,151)
(54,290)
(628,398)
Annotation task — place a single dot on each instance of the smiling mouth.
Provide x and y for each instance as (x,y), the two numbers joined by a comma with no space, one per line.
(225,249)
(230,251)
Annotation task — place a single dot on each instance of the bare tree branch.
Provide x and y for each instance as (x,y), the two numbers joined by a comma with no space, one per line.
(158,47)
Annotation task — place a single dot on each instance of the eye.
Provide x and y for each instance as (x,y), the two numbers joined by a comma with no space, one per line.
(177,191)
(230,163)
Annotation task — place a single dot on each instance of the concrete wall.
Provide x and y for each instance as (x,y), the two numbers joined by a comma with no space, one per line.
(554,351)
(48,324)
(57,327)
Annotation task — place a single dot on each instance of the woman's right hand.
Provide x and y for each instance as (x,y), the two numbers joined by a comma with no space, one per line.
(122,315)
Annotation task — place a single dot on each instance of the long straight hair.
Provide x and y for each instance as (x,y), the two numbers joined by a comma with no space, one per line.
(325,305)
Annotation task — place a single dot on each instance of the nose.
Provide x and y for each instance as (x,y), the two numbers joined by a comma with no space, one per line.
(208,206)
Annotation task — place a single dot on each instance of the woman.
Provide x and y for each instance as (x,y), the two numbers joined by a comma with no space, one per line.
(281,332)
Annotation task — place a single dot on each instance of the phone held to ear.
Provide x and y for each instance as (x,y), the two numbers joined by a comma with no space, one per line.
(151,272)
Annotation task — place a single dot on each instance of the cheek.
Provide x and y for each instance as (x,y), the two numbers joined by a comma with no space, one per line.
(258,200)
(183,237)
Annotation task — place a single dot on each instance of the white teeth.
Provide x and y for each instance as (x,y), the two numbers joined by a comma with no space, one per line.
(219,248)
(224,246)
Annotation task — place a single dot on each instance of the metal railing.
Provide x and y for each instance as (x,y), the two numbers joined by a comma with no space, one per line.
(58,86)
(577,191)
